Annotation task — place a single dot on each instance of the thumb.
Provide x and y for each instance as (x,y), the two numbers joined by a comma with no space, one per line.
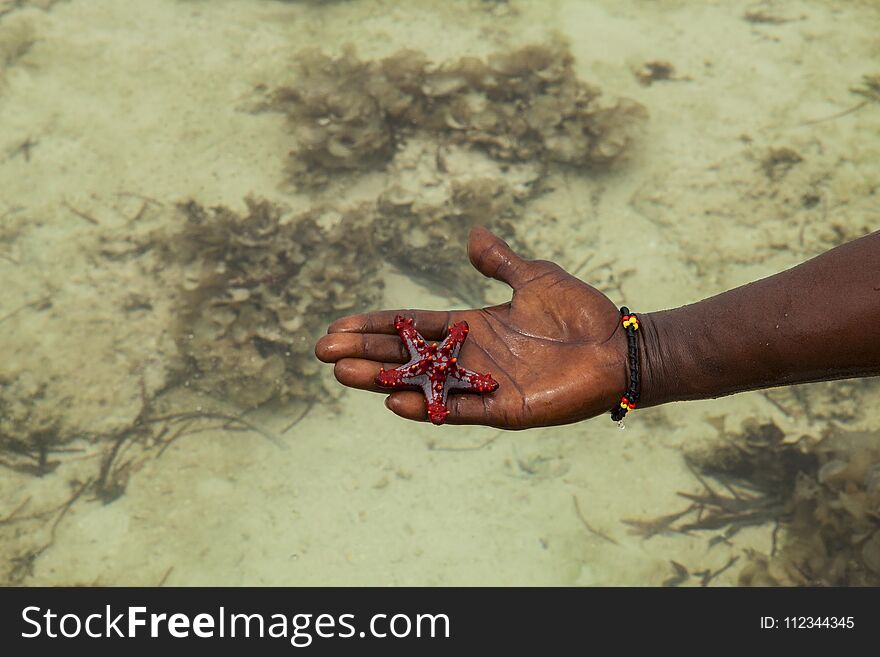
(492,257)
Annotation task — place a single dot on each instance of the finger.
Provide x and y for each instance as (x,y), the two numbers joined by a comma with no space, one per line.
(360,374)
(492,257)
(370,346)
(463,409)
(430,323)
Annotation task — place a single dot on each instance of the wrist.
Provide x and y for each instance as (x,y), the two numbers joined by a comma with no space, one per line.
(658,345)
(685,358)
(664,360)
(629,341)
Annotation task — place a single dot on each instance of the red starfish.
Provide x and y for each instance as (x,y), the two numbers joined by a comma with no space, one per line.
(434,368)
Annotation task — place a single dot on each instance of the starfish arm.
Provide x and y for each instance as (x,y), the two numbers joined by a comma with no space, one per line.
(406,375)
(391,378)
(437,412)
(434,388)
(465,379)
(414,342)
(456,337)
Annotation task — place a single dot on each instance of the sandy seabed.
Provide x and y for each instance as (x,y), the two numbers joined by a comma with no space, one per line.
(110,111)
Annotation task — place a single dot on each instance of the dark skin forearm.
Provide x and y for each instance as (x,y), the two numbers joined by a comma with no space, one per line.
(817,321)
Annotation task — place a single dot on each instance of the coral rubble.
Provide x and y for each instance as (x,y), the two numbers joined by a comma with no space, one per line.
(257,290)
(528,104)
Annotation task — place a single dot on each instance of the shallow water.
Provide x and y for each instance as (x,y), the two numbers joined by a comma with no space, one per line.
(133,457)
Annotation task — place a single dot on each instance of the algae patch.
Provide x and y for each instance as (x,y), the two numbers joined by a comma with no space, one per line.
(524,105)
(820,495)
(258,288)
(832,518)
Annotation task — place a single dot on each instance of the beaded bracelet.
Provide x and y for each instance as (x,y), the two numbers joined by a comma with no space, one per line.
(631,397)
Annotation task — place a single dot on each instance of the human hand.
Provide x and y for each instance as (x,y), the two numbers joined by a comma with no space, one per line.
(557,348)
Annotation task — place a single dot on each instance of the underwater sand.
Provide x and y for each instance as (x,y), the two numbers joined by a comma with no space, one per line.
(112,109)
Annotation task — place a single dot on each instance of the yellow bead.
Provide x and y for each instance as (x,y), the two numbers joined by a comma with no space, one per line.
(623,405)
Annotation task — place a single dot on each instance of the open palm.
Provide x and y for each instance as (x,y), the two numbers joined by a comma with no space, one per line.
(557,348)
